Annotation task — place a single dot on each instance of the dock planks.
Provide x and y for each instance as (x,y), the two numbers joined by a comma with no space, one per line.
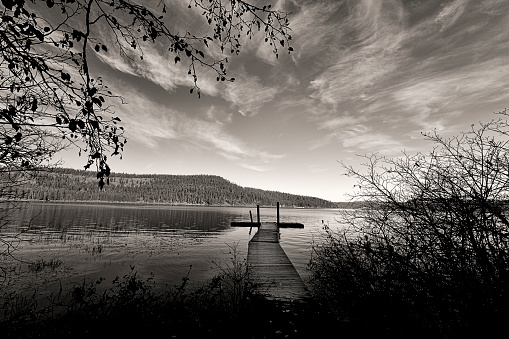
(272,270)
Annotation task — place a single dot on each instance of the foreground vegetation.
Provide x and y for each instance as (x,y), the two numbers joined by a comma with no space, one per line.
(429,253)
(228,306)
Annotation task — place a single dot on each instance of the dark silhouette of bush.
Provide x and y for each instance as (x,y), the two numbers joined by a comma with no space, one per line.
(429,252)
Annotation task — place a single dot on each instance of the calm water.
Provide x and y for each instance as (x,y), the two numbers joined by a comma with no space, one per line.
(95,241)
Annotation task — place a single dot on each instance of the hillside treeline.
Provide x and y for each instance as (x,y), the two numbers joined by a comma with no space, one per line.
(77,185)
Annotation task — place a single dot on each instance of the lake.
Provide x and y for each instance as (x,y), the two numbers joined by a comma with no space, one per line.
(87,241)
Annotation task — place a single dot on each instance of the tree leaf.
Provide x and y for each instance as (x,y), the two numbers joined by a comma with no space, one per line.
(38,34)
(94,124)
(8,3)
(34,105)
(97,101)
(73,125)
(76,35)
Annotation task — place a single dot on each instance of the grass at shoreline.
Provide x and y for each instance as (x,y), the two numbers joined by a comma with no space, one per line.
(131,307)
(228,305)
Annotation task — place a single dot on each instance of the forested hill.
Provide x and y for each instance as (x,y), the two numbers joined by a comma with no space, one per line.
(77,185)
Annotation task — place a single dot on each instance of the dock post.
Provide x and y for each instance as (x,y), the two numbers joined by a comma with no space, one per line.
(251,216)
(258,214)
(278,214)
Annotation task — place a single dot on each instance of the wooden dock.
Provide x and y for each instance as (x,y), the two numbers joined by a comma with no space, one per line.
(273,272)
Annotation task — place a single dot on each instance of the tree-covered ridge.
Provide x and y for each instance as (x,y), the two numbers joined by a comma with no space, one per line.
(78,185)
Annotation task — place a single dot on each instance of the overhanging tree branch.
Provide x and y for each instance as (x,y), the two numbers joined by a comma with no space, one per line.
(47,88)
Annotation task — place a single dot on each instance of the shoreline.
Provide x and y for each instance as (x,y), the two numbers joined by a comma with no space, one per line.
(144,203)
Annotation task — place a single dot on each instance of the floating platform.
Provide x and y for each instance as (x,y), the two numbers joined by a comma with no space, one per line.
(255,224)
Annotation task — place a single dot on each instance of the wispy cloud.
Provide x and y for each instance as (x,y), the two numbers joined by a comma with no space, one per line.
(247,94)
(215,137)
(156,67)
(435,100)
(362,138)
(145,122)
(152,125)
(256,168)
(373,142)
(337,122)
(387,73)
(314,32)
(218,115)
(372,53)
(448,16)
(316,168)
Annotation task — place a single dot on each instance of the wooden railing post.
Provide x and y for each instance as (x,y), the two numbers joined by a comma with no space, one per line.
(258,214)
(278,214)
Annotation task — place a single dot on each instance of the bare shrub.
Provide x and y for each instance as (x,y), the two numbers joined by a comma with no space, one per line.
(429,249)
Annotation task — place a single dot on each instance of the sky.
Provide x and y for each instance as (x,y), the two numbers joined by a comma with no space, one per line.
(365,76)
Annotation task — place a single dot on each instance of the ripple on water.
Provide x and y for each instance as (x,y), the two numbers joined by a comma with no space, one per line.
(106,241)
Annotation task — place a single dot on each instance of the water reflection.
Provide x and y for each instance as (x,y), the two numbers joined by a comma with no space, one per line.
(106,240)
(111,217)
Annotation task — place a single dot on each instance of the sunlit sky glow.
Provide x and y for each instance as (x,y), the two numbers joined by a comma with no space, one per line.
(366,76)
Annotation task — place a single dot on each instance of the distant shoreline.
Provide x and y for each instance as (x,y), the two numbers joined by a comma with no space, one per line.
(144,203)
